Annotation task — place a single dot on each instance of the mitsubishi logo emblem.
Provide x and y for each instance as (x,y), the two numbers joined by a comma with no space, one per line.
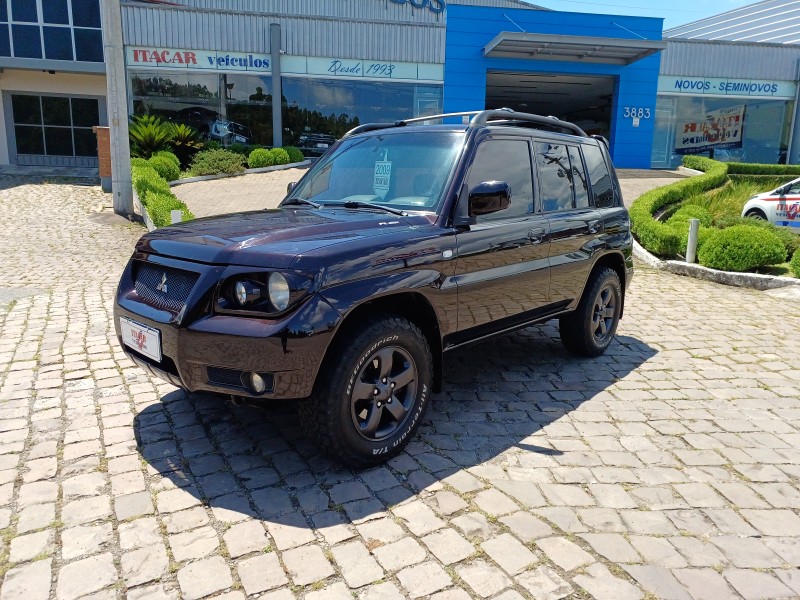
(162,287)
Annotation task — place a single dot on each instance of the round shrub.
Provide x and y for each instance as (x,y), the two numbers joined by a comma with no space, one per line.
(295,155)
(260,158)
(791,241)
(691,211)
(165,167)
(139,162)
(279,156)
(169,156)
(794,264)
(214,162)
(741,248)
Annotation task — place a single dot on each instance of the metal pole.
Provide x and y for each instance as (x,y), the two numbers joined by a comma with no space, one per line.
(277,87)
(116,94)
(691,245)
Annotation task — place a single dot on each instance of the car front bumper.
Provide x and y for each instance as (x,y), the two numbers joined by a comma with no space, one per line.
(201,351)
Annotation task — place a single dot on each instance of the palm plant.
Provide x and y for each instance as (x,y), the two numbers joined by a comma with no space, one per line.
(149,134)
(185,142)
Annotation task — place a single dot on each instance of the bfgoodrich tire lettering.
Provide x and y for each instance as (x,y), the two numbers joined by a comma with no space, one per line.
(372,393)
(589,330)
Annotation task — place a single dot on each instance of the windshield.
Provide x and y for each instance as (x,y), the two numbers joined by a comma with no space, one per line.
(404,171)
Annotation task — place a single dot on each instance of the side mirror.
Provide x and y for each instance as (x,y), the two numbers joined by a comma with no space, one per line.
(489,197)
(291,185)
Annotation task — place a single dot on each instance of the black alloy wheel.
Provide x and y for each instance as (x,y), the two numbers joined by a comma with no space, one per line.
(383,393)
(604,313)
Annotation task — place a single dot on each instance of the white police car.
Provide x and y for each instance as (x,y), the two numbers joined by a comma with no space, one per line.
(780,207)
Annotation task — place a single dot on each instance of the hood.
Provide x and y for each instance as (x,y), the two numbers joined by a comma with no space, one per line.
(268,238)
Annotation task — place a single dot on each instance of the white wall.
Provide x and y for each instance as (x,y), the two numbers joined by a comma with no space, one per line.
(42,82)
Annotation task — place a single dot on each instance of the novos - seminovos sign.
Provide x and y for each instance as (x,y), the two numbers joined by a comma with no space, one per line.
(437,6)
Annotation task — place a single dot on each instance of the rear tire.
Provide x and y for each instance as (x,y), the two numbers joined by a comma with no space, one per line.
(372,393)
(589,330)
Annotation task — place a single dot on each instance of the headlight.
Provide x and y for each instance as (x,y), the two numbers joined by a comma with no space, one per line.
(279,292)
(246,292)
(257,294)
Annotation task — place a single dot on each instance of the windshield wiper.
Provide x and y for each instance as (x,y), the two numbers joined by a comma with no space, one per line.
(296,201)
(360,204)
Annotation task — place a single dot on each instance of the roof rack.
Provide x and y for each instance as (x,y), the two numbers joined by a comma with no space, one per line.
(501,116)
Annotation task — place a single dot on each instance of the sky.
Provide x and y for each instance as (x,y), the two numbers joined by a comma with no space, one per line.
(674,12)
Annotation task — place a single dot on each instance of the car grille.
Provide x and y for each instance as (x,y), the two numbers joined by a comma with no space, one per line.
(233,378)
(172,297)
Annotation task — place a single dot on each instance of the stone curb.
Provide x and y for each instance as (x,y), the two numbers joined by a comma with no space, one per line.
(178,182)
(748,280)
(142,212)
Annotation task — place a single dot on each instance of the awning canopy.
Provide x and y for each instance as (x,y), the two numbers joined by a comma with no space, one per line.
(570,48)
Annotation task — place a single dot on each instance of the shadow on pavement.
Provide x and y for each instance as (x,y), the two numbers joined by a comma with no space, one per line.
(254,462)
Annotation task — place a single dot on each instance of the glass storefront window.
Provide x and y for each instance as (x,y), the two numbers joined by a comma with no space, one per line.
(237,108)
(316,112)
(227,108)
(729,129)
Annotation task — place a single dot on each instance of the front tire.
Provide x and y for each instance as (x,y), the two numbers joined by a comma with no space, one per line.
(589,330)
(372,392)
(757,214)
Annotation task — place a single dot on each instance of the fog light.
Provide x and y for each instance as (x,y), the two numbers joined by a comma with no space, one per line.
(257,383)
(241,293)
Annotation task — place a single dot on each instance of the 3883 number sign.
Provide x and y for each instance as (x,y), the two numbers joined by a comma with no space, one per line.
(632,112)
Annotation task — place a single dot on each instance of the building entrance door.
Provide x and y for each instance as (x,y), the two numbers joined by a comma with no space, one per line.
(581,99)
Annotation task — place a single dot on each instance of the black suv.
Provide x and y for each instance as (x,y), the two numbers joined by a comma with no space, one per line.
(402,242)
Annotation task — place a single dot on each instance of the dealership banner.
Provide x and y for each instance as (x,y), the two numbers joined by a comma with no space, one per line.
(720,129)
(204,60)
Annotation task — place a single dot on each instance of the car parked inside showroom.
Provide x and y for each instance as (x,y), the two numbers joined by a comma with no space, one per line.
(780,206)
(403,242)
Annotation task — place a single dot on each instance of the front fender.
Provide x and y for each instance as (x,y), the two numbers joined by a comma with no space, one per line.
(439,291)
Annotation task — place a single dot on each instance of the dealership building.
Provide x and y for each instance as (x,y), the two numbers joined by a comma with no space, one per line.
(222,65)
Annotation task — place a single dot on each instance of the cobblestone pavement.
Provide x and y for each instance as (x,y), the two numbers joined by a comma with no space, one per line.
(667,468)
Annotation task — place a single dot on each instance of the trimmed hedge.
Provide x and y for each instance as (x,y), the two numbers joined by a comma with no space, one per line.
(260,158)
(279,156)
(794,264)
(214,162)
(791,241)
(762,169)
(295,155)
(661,238)
(155,194)
(160,207)
(165,167)
(741,248)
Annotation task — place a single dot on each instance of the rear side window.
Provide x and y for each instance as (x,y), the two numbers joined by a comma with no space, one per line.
(554,172)
(579,183)
(599,176)
(509,161)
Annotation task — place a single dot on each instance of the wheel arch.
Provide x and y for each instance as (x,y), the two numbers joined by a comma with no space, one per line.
(414,307)
(616,261)
(756,209)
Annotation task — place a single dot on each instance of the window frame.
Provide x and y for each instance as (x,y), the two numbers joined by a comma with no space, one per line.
(502,216)
(58,160)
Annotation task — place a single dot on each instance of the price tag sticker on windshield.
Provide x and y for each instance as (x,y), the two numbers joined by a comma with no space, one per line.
(382,178)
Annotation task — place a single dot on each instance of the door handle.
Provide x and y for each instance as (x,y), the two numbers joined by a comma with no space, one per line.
(536,235)
(594,226)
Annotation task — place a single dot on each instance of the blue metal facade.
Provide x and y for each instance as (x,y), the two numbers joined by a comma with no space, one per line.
(470,28)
